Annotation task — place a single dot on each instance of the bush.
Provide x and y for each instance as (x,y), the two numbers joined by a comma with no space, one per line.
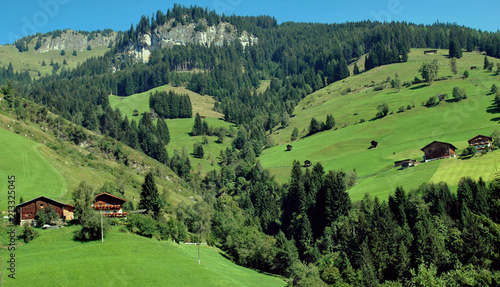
(143,225)
(416,80)
(28,233)
(401,109)
(468,152)
(46,216)
(432,101)
(383,110)
(378,88)
(442,97)
(91,226)
(458,93)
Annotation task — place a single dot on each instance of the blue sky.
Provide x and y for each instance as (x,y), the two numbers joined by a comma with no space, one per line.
(25,17)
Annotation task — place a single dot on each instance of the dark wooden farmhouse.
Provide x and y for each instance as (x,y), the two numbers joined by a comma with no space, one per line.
(110,205)
(406,163)
(481,142)
(430,52)
(438,150)
(473,68)
(26,211)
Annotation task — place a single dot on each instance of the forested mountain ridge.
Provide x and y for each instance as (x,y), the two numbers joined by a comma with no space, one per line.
(307,229)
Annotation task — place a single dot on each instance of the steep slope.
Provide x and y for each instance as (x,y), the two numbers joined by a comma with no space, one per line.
(46,162)
(400,135)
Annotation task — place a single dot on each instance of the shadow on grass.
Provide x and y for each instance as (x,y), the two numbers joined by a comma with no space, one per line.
(492,109)
(418,87)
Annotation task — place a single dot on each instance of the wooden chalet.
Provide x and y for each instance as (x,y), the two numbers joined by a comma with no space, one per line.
(481,142)
(438,150)
(430,52)
(473,68)
(406,163)
(109,205)
(26,211)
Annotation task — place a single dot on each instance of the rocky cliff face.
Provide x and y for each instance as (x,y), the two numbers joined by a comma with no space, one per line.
(72,40)
(169,36)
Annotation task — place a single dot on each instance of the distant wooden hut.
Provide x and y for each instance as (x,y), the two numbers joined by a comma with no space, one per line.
(289,147)
(426,52)
(406,163)
(473,68)
(307,163)
(135,113)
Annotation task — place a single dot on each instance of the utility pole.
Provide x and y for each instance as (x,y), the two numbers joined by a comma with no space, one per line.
(102,233)
(199,243)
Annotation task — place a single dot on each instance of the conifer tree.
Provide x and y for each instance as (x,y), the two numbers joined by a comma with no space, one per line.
(162,131)
(198,126)
(455,50)
(150,198)
(355,69)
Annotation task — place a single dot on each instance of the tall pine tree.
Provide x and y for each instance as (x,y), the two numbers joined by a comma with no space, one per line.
(150,197)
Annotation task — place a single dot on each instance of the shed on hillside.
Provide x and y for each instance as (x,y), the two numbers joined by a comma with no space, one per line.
(307,163)
(406,163)
(430,52)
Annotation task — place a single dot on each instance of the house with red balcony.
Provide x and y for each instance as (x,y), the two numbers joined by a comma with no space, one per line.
(481,142)
(109,205)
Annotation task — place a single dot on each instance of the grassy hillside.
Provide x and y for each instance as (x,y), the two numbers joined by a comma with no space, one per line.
(124,260)
(46,166)
(32,61)
(400,135)
(180,128)
(35,176)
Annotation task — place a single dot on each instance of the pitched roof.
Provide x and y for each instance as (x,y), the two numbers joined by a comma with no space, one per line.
(452,146)
(482,136)
(109,194)
(46,199)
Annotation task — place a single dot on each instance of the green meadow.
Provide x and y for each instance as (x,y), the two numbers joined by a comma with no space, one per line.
(353,103)
(123,260)
(44,166)
(34,175)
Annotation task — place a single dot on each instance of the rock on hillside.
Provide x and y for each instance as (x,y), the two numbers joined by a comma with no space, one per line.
(70,40)
(169,36)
